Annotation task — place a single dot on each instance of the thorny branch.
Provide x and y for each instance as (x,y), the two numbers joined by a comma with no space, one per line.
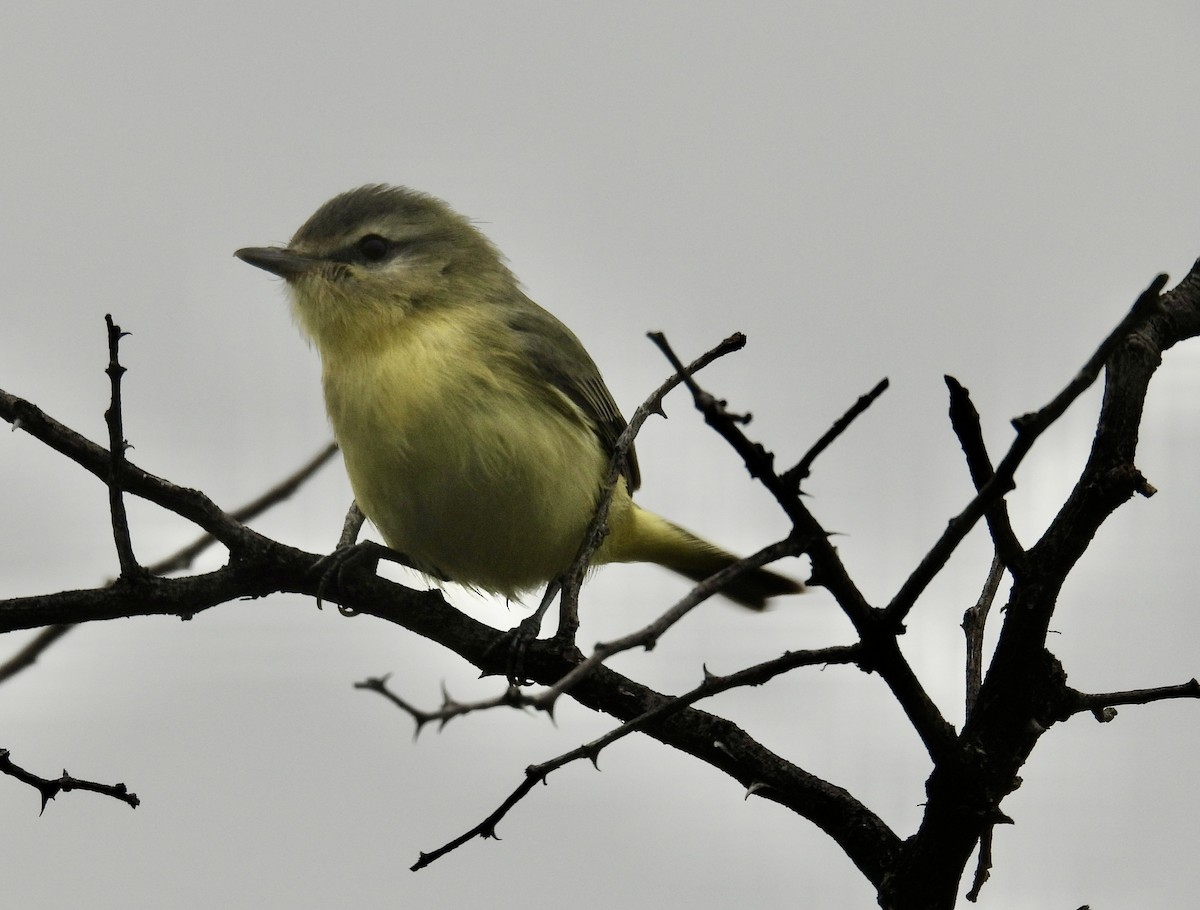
(568,623)
(51,788)
(875,628)
(1029,427)
(116,454)
(1022,693)
(450,709)
(179,560)
(712,685)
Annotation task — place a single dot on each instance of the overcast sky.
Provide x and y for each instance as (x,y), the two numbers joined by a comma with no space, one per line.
(865,190)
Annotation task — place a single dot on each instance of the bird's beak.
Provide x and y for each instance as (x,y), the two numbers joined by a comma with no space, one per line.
(277,260)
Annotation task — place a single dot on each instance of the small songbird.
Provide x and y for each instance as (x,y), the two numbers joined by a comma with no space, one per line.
(475,428)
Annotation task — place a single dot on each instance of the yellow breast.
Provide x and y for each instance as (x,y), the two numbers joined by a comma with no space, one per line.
(465,459)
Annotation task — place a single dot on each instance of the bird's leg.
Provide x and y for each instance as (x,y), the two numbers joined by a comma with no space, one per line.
(350,554)
(525,633)
(352,526)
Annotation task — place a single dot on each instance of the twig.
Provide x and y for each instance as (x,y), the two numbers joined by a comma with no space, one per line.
(983,867)
(973,625)
(647,637)
(180,559)
(875,628)
(568,622)
(183,559)
(450,708)
(33,649)
(712,685)
(51,788)
(964,419)
(795,476)
(116,453)
(1029,427)
(1101,704)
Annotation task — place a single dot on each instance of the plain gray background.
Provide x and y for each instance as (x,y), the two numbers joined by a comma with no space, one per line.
(864,190)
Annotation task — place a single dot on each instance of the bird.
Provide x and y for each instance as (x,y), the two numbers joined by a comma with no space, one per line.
(475,428)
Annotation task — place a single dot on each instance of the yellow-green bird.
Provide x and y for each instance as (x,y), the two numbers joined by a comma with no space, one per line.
(475,428)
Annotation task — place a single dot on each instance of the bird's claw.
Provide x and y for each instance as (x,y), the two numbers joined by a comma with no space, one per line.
(334,566)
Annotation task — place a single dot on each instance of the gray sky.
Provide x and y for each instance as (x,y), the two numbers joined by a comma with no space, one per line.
(865,191)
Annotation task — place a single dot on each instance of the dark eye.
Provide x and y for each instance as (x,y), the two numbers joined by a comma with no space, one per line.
(373,248)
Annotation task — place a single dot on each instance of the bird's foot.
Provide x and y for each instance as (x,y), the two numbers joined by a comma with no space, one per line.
(333,568)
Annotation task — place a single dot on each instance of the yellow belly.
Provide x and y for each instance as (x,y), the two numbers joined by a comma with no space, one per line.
(480,475)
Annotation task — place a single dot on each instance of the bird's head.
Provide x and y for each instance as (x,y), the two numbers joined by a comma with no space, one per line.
(368,259)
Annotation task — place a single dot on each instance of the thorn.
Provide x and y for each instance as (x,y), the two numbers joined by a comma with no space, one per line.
(709,676)
(754,788)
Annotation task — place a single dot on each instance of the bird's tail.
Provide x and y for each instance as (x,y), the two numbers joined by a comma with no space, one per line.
(654,539)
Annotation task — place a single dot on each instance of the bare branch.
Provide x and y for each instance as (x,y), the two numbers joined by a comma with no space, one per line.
(712,685)
(189,504)
(51,788)
(1102,704)
(983,868)
(450,709)
(647,637)
(116,448)
(875,628)
(1029,427)
(964,419)
(974,624)
(183,559)
(795,476)
(33,649)
(568,622)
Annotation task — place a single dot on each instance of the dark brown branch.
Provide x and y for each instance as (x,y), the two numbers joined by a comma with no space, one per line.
(33,649)
(1029,427)
(872,625)
(269,567)
(597,530)
(964,419)
(183,559)
(177,561)
(450,709)
(1023,694)
(1102,705)
(51,788)
(189,504)
(116,449)
(974,625)
(1024,691)
(796,475)
(983,868)
(647,637)
(712,685)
